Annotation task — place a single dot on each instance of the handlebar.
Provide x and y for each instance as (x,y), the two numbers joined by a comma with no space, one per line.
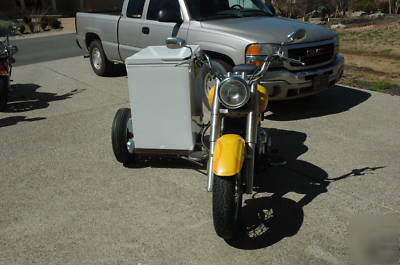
(262,69)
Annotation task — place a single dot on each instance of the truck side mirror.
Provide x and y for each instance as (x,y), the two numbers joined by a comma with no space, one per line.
(169,15)
(175,43)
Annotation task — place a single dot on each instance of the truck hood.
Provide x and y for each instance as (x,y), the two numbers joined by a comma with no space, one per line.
(267,29)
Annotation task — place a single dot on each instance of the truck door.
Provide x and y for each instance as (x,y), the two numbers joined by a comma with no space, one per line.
(155,32)
(130,28)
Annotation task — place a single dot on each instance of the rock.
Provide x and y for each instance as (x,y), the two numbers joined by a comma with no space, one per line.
(376,15)
(358,14)
(338,26)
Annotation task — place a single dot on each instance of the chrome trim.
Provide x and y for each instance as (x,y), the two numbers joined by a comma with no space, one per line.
(288,66)
(243,82)
(215,131)
(251,138)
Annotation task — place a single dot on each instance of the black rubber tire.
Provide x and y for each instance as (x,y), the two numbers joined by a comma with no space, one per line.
(119,136)
(106,68)
(223,204)
(219,66)
(3,94)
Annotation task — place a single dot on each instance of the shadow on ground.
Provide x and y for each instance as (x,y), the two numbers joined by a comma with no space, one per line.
(335,100)
(9,121)
(268,216)
(25,97)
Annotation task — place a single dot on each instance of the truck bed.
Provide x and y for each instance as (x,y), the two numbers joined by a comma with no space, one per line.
(102,25)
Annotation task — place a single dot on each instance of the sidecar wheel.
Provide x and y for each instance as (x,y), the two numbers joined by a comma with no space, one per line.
(226,202)
(122,136)
(3,94)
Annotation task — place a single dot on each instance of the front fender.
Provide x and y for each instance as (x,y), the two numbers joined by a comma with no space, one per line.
(229,155)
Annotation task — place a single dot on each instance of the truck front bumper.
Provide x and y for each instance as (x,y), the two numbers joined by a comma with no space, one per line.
(283,84)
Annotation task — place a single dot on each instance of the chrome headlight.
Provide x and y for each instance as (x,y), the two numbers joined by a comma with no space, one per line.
(234,92)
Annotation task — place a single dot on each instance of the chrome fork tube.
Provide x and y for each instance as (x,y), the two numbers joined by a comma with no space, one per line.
(251,138)
(215,132)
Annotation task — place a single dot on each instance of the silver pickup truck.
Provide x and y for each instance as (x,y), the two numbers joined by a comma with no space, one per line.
(230,31)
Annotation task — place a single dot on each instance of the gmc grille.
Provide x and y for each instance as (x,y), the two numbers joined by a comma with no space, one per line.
(313,55)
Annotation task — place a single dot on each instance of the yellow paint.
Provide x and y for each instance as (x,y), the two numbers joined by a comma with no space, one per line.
(263,98)
(229,155)
(211,95)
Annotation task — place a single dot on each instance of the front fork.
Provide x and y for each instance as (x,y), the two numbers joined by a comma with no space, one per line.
(251,137)
(214,134)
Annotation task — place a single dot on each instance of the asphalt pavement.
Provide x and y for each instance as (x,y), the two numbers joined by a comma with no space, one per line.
(64,199)
(36,50)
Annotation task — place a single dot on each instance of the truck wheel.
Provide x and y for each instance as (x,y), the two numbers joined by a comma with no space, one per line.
(3,94)
(226,203)
(122,136)
(98,60)
(207,82)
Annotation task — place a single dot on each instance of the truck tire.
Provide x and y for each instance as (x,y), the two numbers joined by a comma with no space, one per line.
(206,82)
(121,135)
(226,204)
(98,60)
(3,94)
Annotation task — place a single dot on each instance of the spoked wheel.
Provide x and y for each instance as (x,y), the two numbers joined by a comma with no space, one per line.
(122,136)
(3,94)
(227,203)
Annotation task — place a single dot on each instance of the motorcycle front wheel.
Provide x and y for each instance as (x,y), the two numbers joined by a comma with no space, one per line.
(226,204)
(3,94)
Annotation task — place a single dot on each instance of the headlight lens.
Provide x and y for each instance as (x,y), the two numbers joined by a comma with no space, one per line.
(234,92)
(256,53)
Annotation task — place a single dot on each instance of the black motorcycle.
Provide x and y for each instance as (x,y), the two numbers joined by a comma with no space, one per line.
(7,52)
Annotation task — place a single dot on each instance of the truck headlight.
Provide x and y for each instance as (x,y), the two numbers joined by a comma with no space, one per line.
(234,93)
(256,53)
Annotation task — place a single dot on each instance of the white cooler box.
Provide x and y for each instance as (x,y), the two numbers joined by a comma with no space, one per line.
(165,103)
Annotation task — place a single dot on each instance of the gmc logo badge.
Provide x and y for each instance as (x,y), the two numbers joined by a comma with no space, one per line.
(314,52)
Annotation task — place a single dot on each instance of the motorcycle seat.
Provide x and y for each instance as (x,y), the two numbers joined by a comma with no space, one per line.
(245,68)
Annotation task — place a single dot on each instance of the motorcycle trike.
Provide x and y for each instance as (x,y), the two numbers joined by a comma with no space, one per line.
(167,119)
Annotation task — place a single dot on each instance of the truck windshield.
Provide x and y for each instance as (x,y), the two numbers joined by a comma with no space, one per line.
(219,9)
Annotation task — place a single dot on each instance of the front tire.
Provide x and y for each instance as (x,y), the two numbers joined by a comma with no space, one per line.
(3,94)
(207,82)
(226,203)
(98,60)
(122,136)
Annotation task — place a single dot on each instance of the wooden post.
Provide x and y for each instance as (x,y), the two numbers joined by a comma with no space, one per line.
(54,5)
(390,6)
(22,5)
(82,5)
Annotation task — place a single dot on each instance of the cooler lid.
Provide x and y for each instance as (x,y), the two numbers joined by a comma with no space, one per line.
(161,55)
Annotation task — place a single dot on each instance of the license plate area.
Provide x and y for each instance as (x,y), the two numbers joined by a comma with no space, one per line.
(320,82)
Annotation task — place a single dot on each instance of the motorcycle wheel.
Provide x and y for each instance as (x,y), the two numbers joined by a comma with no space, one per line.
(226,202)
(122,136)
(3,94)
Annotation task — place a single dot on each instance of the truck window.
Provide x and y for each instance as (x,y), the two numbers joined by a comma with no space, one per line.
(156,5)
(135,8)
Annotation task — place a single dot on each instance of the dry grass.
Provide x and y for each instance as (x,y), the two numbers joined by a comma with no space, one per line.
(372,54)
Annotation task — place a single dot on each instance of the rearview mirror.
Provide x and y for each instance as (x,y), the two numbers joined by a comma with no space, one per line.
(296,36)
(175,43)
